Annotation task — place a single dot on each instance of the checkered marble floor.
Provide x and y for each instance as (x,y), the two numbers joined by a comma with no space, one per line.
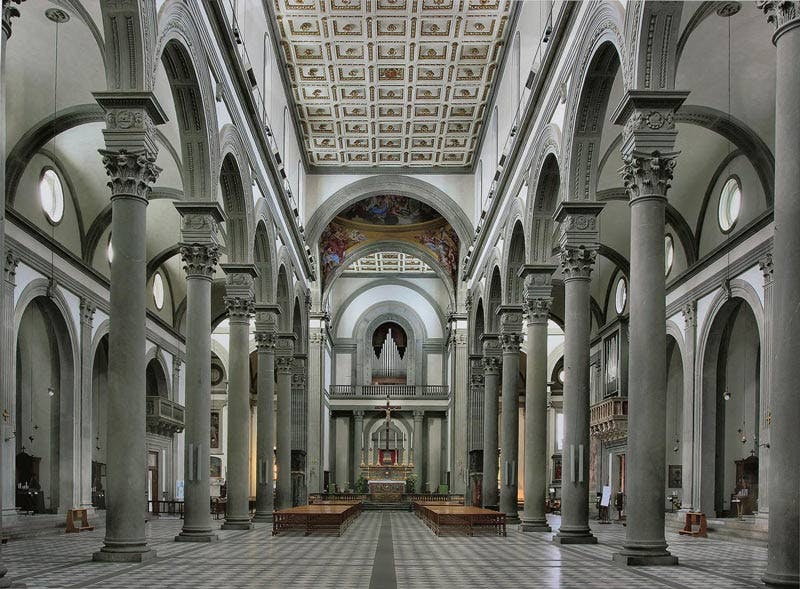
(256,559)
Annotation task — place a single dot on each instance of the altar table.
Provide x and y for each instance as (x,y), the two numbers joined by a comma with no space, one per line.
(386,487)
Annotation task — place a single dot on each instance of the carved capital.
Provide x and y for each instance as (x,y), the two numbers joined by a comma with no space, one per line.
(577,263)
(358,415)
(87,310)
(265,341)
(10,267)
(419,415)
(199,261)
(510,342)
(767,269)
(647,175)
(510,319)
(132,173)
(578,223)
(491,365)
(780,13)
(284,364)
(200,221)
(9,11)
(689,317)
(317,337)
(537,309)
(240,309)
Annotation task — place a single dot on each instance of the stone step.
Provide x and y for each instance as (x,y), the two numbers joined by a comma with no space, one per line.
(393,506)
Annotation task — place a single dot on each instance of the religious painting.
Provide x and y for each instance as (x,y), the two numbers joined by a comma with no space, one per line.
(556,468)
(334,242)
(389,210)
(611,352)
(215,471)
(675,476)
(443,243)
(215,430)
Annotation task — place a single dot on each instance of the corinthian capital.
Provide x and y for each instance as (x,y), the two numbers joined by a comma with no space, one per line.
(199,261)
(240,309)
(510,342)
(239,280)
(780,12)
(647,175)
(132,173)
(265,341)
(9,11)
(577,263)
(491,365)
(284,364)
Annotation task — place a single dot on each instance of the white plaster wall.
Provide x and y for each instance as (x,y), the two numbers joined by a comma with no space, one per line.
(434,375)
(379,294)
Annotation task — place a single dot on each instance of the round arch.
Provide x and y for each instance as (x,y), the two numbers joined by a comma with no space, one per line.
(237,195)
(264,260)
(513,257)
(282,297)
(494,298)
(543,196)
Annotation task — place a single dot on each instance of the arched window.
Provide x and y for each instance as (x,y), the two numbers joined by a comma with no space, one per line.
(515,77)
(266,80)
(669,253)
(478,191)
(496,136)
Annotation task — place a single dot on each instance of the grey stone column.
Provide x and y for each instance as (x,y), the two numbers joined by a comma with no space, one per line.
(239,302)
(316,372)
(475,424)
(783,413)
(416,446)
(491,381)
(579,243)
(690,495)
(87,310)
(510,339)
(299,426)
(768,269)
(265,336)
(200,254)
(649,159)
(8,435)
(130,164)
(284,362)
(358,444)
(537,296)
(460,427)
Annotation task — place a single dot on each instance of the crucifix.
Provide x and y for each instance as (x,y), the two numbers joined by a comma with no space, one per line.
(388,408)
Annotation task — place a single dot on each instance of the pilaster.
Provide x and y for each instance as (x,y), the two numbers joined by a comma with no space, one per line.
(7,379)
(87,310)
(459,371)
(284,364)
(492,367)
(266,328)
(768,270)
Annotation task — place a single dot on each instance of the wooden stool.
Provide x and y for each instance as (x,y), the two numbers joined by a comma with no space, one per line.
(695,518)
(78,521)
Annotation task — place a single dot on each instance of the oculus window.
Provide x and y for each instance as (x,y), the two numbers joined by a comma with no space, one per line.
(621,296)
(109,250)
(51,195)
(158,290)
(730,204)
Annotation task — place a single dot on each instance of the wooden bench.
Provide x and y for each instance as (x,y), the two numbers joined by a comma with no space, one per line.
(334,517)
(441,518)
(78,521)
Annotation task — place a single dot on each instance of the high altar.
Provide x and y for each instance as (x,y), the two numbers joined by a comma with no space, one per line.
(386,477)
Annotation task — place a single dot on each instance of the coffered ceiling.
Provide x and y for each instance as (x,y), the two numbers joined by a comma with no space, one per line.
(397,83)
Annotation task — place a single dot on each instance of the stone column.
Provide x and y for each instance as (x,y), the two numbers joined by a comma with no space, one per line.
(460,425)
(358,443)
(475,443)
(416,447)
(87,310)
(689,495)
(649,159)
(130,164)
(265,336)
(7,381)
(510,339)
(299,426)
(578,243)
(537,296)
(316,374)
(491,380)
(783,566)
(768,270)
(239,302)
(200,254)
(284,362)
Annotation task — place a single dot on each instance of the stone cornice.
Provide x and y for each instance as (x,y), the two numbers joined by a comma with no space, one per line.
(131,118)
(200,221)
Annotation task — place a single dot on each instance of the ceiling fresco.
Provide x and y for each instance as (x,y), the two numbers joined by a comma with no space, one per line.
(398,83)
(388,218)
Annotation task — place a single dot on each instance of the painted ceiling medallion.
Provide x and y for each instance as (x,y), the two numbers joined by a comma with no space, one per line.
(354,64)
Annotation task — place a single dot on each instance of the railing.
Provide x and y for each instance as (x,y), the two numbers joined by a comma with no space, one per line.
(608,419)
(165,507)
(399,391)
(164,417)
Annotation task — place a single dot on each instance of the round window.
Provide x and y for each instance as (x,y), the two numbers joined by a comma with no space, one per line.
(109,250)
(730,204)
(561,376)
(621,296)
(669,254)
(51,195)
(158,291)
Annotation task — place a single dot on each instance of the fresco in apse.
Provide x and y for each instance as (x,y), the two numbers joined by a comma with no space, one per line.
(394,217)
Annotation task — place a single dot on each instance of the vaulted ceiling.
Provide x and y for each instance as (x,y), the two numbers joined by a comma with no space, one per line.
(398,83)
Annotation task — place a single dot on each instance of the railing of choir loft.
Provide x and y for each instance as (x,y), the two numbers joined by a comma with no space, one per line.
(398,391)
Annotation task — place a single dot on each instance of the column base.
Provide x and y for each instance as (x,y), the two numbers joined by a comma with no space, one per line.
(512,519)
(534,525)
(205,536)
(579,536)
(645,559)
(106,554)
(778,580)
(237,525)
(262,517)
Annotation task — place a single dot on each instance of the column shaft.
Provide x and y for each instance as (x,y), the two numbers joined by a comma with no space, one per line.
(285,361)
(510,337)
(265,419)
(783,565)
(87,313)
(358,441)
(491,364)
(417,448)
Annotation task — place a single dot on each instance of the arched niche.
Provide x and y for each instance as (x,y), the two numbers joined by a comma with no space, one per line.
(514,259)
(99,420)
(264,260)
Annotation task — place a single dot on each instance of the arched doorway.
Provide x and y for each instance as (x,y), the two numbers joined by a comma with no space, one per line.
(44,418)
(99,422)
(674,422)
(731,377)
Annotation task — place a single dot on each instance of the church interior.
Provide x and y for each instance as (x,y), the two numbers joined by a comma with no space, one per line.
(400,293)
